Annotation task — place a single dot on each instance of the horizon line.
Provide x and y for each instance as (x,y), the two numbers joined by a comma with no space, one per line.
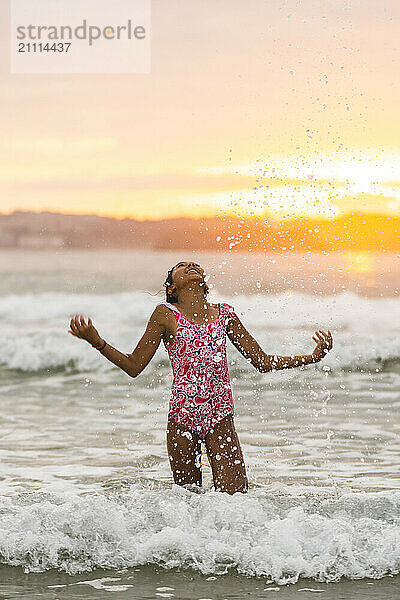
(267,214)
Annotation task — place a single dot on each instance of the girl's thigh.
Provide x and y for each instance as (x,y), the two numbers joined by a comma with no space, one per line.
(184,452)
(226,457)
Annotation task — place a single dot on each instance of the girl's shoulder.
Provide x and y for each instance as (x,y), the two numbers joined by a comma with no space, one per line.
(168,305)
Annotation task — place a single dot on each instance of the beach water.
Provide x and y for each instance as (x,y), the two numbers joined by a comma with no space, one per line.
(87,502)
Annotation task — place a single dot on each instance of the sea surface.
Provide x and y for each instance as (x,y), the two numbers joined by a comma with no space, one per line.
(88,507)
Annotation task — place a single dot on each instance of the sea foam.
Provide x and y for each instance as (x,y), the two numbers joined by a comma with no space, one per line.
(280,537)
(34,328)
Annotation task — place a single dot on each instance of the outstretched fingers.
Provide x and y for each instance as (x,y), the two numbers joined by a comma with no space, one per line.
(323,339)
(75,326)
(317,337)
(329,339)
(81,328)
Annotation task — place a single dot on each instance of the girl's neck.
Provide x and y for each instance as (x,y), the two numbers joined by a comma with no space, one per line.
(192,299)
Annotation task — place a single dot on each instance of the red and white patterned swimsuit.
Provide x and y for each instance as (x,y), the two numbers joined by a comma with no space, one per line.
(201,390)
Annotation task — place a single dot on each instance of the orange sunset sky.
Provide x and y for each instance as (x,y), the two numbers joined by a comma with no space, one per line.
(286,108)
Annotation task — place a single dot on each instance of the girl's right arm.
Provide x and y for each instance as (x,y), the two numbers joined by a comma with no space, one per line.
(134,363)
(263,362)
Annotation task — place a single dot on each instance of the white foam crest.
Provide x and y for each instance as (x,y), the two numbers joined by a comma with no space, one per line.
(52,350)
(345,312)
(34,327)
(256,534)
(49,350)
(342,312)
(42,308)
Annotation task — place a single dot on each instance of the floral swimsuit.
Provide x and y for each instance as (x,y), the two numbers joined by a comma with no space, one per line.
(201,390)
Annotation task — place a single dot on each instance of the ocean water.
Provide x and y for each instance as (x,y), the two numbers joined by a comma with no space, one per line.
(87,502)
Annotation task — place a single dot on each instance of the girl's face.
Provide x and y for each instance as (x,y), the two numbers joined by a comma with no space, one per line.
(186,271)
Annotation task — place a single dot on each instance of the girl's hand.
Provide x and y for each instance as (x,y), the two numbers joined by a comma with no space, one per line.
(324,344)
(85,331)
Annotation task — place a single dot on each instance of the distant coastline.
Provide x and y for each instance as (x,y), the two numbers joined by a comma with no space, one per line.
(355,231)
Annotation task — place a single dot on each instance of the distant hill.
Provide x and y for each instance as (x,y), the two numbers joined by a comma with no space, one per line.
(355,231)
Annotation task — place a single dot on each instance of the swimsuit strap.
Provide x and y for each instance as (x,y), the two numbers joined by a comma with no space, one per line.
(222,309)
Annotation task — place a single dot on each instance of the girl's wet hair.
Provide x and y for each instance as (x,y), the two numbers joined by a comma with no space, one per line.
(170,297)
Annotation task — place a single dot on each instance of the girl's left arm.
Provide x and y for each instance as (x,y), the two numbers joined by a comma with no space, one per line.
(251,350)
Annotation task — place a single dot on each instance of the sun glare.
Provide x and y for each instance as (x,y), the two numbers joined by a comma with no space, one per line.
(316,185)
(359,262)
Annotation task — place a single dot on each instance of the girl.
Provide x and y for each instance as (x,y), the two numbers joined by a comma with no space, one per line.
(201,405)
